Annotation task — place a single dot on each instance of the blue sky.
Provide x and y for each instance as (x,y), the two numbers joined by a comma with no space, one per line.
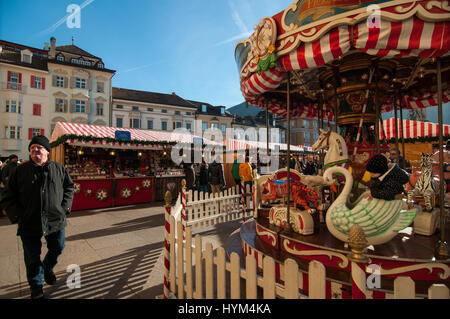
(163,46)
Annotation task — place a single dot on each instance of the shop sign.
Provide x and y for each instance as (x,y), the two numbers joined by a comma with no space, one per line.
(122,135)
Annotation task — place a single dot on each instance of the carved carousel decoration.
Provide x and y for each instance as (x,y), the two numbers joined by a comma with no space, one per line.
(345,63)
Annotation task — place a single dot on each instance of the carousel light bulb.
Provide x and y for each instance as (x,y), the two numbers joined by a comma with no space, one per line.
(344,80)
(140,154)
(329,86)
(164,153)
(364,76)
(386,77)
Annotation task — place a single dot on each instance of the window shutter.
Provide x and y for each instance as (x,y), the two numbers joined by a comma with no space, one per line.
(72,82)
(65,106)
(9,76)
(30,133)
(32,82)
(20,77)
(43,83)
(42,131)
(88,107)
(54,80)
(34,109)
(39,107)
(72,106)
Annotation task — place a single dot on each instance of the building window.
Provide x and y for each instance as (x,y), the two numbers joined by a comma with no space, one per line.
(60,58)
(215,125)
(149,109)
(80,106)
(150,124)
(222,110)
(135,108)
(12,132)
(26,58)
(80,62)
(80,83)
(135,123)
(100,65)
(164,125)
(37,82)
(188,113)
(224,128)
(59,81)
(100,87)
(119,122)
(203,108)
(188,126)
(99,109)
(59,105)
(37,109)
(204,126)
(13,107)
(13,81)
(35,132)
(178,124)
(177,113)
(163,111)
(119,106)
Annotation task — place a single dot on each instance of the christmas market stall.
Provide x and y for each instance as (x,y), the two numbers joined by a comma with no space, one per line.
(116,166)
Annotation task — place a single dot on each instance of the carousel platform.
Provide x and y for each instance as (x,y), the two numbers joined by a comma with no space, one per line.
(408,254)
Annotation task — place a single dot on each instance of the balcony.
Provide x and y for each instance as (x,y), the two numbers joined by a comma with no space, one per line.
(13,86)
(10,144)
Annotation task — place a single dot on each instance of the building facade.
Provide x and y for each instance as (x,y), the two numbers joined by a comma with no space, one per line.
(151,111)
(24,110)
(211,117)
(80,88)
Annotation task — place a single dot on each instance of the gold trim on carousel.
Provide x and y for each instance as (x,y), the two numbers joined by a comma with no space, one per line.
(428,266)
(269,234)
(330,254)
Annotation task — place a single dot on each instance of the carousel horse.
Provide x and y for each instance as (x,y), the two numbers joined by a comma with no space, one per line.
(380,219)
(337,155)
(425,184)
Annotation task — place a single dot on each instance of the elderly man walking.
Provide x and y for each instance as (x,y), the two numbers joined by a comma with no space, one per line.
(38,197)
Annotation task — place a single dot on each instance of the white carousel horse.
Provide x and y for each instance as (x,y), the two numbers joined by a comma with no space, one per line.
(425,184)
(337,155)
(380,219)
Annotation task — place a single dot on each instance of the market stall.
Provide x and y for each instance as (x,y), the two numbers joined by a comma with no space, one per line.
(115,166)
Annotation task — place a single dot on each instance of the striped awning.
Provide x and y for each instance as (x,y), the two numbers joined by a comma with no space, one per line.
(411,29)
(411,129)
(103,132)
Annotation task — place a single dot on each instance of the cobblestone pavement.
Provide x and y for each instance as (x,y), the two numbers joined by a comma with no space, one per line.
(118,250)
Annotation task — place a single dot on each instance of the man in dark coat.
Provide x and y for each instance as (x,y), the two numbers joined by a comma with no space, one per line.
(387,180)
(311,167)
(9,168)
(38,197)
(189,176)
(215,175)
(203,179)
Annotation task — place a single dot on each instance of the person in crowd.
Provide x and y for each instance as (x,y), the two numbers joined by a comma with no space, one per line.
(395,157)
(310,167)
(246,173)
(10,166)
(189,176)
(215,175)
(446,164)
(38,196)
(204,178)
(235,171)
(387,180)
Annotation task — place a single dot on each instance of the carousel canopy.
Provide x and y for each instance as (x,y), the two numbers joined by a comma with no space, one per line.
(412,130)
(324,44)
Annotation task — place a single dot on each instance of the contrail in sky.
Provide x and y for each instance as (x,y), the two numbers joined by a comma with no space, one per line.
(63,19)
(241,25)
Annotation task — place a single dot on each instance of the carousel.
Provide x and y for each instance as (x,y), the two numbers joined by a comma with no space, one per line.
(345,63)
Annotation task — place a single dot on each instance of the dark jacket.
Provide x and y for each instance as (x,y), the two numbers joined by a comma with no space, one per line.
(38,198)
(189,176)
(310,168)
(389,184)
(7,171)
(215,174)
(203,175)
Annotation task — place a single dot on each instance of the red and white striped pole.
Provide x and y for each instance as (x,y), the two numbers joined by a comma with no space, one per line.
(244,206)
(168,199)
(358,281)
(183,207)
(355,149)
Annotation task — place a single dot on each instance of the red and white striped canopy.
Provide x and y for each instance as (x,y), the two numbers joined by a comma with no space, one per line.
(65,128)
(411,129)
(407,29)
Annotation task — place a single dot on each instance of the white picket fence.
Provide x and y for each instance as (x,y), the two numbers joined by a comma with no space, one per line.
(206,209)
(198,274)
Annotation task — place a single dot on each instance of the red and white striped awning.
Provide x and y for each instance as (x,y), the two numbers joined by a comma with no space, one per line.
(411,129)
(102,132)
(411,29)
